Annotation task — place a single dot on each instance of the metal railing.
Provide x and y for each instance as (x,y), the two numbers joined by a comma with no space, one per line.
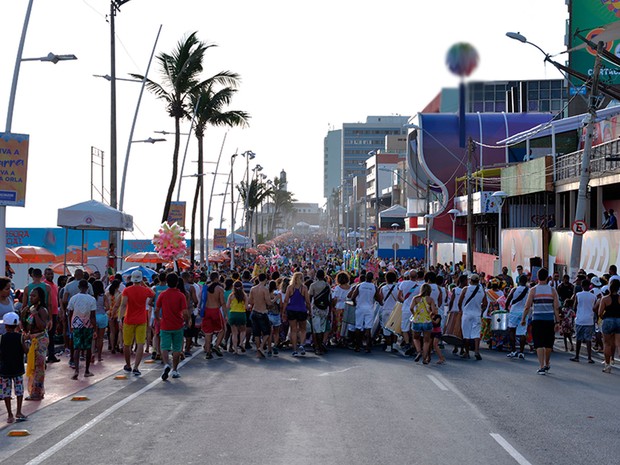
(567,166)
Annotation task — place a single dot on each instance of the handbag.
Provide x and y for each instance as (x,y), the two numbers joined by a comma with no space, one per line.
(348,316)
(395,319)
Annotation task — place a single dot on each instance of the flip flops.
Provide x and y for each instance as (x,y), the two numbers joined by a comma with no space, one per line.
(20,418)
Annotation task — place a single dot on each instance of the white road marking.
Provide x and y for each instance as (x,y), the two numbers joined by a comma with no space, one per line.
(461,396)
(327,373)
(438,383)
(106,413)
(511,450)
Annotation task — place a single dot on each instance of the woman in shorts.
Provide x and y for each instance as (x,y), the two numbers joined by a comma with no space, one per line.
(609,311)
(237,305)
(275,318)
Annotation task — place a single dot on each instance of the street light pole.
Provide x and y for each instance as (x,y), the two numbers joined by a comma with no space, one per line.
(53,58)
(232,213)
(453,213)
(500,196)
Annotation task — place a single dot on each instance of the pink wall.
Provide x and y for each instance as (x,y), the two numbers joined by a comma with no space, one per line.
(484,262)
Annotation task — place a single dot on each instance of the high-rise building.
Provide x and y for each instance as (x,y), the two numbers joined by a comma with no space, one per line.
(332,154)
(358,139)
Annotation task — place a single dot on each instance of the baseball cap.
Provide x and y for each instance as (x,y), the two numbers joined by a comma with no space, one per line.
(136,276)
(474,277)
(10,318)
(596,282)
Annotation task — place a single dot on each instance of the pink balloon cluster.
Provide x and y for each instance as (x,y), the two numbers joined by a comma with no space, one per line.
(169,242)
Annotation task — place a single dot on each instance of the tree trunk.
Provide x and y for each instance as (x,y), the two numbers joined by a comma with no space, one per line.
(175,170)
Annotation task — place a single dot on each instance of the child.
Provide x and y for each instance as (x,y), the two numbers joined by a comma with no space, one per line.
(12,350)
(567,315)
(436,337)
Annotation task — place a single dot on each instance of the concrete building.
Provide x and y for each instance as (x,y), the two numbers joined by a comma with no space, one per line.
(332,156)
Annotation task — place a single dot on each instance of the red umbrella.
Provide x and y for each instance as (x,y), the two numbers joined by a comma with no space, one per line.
(144,257)
(13,257)
(34,254)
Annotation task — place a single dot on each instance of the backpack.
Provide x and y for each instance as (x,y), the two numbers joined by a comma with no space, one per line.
(323,299)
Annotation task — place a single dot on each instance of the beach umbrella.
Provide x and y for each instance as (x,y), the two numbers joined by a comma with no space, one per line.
(34,254)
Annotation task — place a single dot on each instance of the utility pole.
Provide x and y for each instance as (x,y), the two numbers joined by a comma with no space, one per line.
(470,206)
(584,177)
(114,7)
(232,215)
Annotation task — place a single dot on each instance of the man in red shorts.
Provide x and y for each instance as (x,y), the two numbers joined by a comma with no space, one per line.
(211,304)
(133,306)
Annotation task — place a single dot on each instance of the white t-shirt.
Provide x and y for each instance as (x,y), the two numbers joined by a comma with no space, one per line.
(435,294)
(389,302)
(457,294)
(82,305)
(474,306)
(366,295)
(411,288)
(340,295)
(584,316)
(518,307)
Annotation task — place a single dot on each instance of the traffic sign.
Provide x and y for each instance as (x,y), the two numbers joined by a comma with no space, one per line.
(579,227)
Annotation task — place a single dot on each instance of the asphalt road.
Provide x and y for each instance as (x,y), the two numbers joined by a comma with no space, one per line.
(343,408)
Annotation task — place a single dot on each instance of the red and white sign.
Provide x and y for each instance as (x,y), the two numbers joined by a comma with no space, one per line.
(579,227)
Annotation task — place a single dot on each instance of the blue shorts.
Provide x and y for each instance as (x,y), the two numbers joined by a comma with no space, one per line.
(421,327)
(611,326)
(275,319)
(102,320)
(584,333)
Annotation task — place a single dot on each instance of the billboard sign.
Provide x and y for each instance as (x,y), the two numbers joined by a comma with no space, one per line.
(219,239)
(13,169)
(589,18)
(177,213)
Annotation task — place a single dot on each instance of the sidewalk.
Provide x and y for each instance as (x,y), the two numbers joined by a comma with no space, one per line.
(59,385)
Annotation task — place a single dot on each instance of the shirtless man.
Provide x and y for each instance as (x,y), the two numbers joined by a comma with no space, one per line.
(260,299)
(211,304)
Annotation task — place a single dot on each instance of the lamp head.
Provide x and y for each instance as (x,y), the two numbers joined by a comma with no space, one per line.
(516,36)
(454,212)
(499,194)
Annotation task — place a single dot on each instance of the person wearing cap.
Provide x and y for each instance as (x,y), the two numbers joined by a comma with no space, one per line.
(12,350)
(133,306)
(586,304)
(472,303)
(6,301)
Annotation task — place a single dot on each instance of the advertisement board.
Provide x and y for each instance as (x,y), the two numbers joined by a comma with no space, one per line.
(219,239)
(13,169)
(589,18)
(518,246)
(599,250)
(177,213)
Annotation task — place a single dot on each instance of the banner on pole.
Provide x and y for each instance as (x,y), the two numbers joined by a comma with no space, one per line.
(219,239)
(177,213)
(13,169)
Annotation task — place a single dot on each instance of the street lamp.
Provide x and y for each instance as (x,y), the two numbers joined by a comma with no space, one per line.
(590,120)
(500,197)
(453,214)
(394,226)
(50,57)
(427,222)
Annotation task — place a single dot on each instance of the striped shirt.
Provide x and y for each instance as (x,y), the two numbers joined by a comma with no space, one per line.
(542,303)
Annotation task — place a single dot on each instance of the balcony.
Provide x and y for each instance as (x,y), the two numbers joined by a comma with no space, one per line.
(568,166)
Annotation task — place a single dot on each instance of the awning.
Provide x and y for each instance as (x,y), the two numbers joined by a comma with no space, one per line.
(435,236)
(571,123)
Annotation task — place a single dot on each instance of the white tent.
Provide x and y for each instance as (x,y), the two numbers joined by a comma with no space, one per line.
(94,215)
(395,211)
(239,239)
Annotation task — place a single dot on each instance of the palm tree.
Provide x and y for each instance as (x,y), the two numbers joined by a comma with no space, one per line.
(257,193)
(282,203)
(208,104)
(181,77)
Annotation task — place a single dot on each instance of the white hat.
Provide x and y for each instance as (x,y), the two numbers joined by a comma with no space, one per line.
(474,277)
(596,282)
(10,318)
(136,276)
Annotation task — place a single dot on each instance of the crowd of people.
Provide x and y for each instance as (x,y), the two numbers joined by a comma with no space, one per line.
(308,296)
